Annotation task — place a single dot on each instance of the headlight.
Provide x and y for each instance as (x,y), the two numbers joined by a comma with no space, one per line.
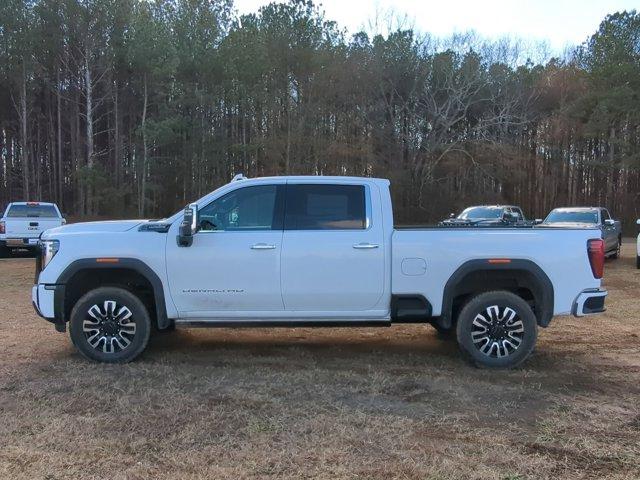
(48,250)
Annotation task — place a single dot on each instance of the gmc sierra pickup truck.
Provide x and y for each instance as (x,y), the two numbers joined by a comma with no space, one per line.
(312,251)
(23,222)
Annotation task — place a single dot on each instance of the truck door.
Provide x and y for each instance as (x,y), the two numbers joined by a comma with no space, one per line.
(609,231)
(332,251)
(233,265)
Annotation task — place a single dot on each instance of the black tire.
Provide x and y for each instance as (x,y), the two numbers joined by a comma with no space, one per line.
(616,252)
(496,341)
(4,251)
(638,261)
(109,344)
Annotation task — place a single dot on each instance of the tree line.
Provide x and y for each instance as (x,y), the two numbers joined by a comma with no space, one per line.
(130,107)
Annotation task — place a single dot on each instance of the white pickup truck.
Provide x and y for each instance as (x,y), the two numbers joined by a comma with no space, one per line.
(23,222)
(312,251)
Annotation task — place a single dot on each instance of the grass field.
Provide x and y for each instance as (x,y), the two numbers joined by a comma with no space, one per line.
(337,403)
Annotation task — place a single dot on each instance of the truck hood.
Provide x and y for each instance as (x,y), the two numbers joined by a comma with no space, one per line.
(569,225)
(112,226)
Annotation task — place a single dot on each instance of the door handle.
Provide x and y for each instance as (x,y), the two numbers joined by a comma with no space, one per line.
(365,246)
(263,246)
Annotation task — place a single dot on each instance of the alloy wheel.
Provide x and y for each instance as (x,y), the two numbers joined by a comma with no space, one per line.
(497,332)
(109,327)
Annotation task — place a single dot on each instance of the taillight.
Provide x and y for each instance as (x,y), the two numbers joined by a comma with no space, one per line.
(2,227)
(595,249)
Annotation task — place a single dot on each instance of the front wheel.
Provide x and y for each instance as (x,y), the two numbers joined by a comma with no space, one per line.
(497,330)
(110,325)
(638,261)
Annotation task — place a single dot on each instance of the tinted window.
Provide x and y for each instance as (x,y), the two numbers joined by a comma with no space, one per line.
(518,212)
(481,212)
(32,211)
(605,215)
(571,217)
(249,208)
(325,207)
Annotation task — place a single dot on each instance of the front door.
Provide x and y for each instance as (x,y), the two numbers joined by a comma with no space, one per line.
(332,253)
(233,266)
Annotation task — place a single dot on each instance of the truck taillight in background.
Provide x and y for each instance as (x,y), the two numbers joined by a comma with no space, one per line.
(595,249)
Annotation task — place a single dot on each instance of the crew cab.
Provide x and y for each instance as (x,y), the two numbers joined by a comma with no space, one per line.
(590,217)
(486,215)
(23,222)
(312,251)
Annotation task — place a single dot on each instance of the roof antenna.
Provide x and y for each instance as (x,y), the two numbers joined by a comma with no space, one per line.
(238,177)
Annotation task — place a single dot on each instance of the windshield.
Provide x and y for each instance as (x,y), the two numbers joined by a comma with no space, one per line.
(481,212)
(34,210)
(572,217)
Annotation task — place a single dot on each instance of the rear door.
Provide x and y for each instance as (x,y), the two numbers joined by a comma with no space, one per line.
(332,251)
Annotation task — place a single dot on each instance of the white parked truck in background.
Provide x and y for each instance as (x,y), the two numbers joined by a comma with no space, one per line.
(638,246)
(23,222)
(312,251)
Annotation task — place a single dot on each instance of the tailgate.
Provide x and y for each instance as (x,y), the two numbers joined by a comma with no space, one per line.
(29,227)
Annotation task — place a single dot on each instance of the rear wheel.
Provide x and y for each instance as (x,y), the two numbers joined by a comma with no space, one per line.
(638,261)
(110,325)
(616,253)
(497,330)
(4,250)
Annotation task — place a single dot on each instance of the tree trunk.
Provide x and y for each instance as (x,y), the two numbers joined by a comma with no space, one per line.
(23,134)
(89,130)
(143,180)
(59,187)
(116,138)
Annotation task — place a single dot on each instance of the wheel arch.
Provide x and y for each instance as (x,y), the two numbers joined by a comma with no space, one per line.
(132,274)
(522,277)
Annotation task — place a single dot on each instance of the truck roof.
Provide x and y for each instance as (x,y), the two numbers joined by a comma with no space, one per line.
(333,178)
(31,203)
(576,209)
(493,206)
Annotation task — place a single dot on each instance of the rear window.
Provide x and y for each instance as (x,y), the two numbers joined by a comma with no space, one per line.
(32,211)
(325,207)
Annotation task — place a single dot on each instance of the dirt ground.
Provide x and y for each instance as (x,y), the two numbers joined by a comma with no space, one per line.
(324,403)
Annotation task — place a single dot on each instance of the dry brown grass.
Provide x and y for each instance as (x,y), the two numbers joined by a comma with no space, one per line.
(364,403)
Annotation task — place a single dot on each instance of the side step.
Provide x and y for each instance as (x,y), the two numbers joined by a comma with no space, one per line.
(279,323)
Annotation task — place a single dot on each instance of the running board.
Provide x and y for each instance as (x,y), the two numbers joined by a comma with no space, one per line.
(279,323)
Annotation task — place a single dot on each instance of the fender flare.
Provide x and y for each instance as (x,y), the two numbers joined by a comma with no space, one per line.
(544,287)
(122,263)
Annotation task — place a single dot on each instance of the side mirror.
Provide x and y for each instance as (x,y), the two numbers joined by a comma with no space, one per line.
(537,221)
(638,222)
(609,223)
(453,215)
(189,225)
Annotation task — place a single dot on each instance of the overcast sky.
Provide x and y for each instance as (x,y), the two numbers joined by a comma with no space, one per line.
(559,22)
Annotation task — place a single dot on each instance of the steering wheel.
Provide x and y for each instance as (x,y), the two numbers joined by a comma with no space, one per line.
(207,225)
